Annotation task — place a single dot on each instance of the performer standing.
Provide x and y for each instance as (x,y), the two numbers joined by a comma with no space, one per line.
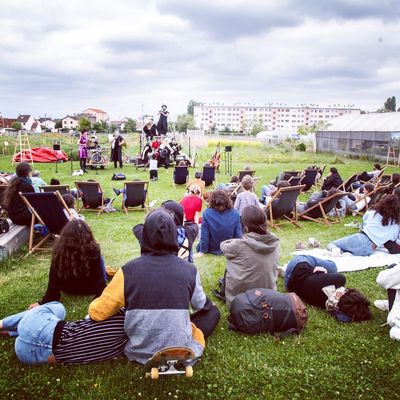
(162,125)
(150,130)
(116,149)
(83,153)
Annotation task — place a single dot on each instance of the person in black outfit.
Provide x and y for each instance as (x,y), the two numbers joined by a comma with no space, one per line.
(333,180)
(17,210)
(116,149)
(162,124)
(76,265)
(150,130)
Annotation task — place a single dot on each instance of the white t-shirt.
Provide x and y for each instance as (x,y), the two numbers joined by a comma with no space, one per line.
(153,165)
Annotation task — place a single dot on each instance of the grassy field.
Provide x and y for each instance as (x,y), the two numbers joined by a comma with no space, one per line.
(328,360)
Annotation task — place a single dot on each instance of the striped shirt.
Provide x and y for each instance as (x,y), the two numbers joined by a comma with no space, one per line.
(86,341)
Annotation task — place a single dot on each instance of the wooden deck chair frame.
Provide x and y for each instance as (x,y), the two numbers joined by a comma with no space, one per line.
(99,209)
(37,219)
(62,189)
(173,176)
(324,216)
(244,172)
(321,170)
(146,201)
(294,180)
(269,212)
(380,191)
(377,188)
(351,179)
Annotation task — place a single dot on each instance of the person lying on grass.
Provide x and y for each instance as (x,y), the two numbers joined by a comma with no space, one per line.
(252,261)
(157,290)
(381,224)
(43,336)
(77,266)
(317,282)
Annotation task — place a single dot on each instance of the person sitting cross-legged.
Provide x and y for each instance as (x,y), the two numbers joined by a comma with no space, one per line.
(157,290)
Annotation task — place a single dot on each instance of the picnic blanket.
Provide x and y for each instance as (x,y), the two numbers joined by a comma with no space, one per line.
(347,262)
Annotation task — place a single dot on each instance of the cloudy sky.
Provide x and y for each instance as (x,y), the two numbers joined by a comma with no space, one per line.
(58,57)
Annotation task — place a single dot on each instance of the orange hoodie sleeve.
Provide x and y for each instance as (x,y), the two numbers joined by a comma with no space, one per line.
(110,301)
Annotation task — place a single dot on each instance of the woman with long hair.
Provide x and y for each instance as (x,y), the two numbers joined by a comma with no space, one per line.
(219,222)
(252,261)
(76,265)
(381,224)
(17,210)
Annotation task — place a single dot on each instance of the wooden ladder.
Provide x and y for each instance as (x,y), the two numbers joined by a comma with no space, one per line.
(23,147)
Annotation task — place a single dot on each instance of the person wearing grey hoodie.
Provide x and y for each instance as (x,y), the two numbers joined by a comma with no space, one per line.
(252,261)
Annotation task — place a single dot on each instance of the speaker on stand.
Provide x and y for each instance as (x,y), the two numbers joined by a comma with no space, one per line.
(228,160)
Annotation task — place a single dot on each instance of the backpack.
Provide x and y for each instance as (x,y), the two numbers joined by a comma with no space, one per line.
(266,310)
(4,225)
(118,177)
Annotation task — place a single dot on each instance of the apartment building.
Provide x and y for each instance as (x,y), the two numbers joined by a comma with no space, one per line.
(242,118)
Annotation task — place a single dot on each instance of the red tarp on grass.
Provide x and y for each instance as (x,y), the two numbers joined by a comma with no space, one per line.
(42,154)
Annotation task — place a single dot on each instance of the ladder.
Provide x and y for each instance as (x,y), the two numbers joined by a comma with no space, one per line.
(23,147)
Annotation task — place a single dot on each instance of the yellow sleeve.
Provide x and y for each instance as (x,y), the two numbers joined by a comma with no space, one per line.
(110,301)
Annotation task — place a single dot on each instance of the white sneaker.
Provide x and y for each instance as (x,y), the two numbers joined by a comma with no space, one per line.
(382,305)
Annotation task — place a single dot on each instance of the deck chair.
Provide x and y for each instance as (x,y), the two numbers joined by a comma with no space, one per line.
(180,175)
(318,212)
(92,196)
(385,179)
(294,180)
(283,205)
(135,195)
(245,172)
(62,189)
(308,179)
(346,185)
(3,211)
(47,209)
(208,175)
(373,196)
(377,194)
(319,176)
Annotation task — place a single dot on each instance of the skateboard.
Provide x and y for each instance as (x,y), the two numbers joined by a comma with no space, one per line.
(171,361)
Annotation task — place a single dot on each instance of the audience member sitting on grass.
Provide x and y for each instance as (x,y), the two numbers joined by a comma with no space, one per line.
(17,210)
(252,261)
(157,290)
(268,191)
(380,225)
(192,203)
(76,264)
(37,181)
(197,181)
(247,197)
(186,232)
(219,222)
(317,282)
(44,337)
(333,180)
(70,202)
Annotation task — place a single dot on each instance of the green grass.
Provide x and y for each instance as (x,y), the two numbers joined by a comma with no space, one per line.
(328,360)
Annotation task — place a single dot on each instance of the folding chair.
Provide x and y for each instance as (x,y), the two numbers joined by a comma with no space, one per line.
(308,179)
(208,175)
(292,173)
(378,194)
(318,212)
(135,195)
(245,172)
(62,189)
(385,179)
(320,174)
(346,185)
(92,196)
(294,180)
(47,209)
(180,175)
(282,205)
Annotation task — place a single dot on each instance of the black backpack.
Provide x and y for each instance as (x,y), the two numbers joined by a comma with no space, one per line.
(118,177)
(266,310)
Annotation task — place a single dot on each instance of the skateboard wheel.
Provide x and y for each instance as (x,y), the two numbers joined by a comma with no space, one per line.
(154,373)
(189,371)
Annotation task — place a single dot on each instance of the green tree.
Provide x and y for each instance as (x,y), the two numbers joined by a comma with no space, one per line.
(192,104)
(257,127)
(84,124)
(184,122)
(16,125)
(58,124)
(97,126)
(130,125)
(390,104)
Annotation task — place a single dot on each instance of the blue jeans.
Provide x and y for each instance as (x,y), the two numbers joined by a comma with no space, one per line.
(34,330)
(357,244)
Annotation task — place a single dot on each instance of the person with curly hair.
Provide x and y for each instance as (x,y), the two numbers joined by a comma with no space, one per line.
(381,224)
(17,210)
(219,222)
(76,265)
(317,282)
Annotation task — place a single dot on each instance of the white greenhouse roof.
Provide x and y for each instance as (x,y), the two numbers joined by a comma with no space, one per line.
(383,122)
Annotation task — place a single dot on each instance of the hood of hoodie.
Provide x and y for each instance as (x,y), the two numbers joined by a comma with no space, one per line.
(159,234)
(176,209)
(263,244)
